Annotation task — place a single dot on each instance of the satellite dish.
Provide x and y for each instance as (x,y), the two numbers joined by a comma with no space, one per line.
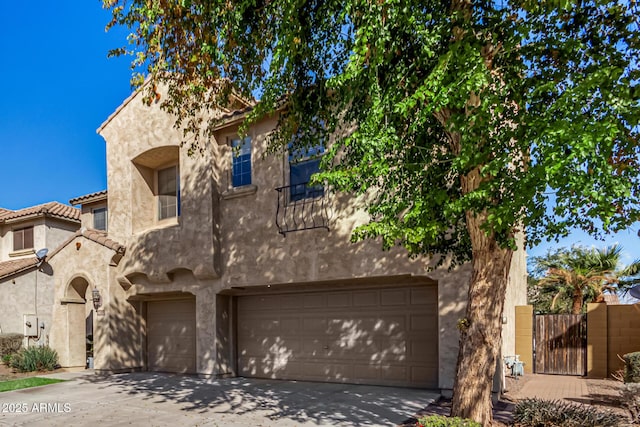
(635,291)
(42,253)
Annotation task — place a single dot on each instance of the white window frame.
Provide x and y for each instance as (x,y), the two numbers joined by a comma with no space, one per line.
(159,202)
(106,218)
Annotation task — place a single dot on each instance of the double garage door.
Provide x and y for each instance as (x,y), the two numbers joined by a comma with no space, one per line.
(379,336)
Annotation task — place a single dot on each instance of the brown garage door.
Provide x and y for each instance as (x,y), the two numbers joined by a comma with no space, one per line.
(171,336)
(385,336)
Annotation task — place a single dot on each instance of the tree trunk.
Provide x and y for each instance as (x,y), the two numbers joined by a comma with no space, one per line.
(576,307)
(481,328)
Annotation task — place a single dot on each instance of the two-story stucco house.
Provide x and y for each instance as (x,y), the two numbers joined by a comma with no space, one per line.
(225,263)
(26,284)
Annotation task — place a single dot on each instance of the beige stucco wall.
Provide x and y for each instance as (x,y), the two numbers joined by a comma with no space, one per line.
(139,131)
(116,321)
(224,241)
(86,213)
(39,238)
(47,233)
(18,296)
(516,295)
(19,292)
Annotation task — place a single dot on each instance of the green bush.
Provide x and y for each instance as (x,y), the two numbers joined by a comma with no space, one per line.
(10,343)
(35,359)
(538,412)
(6,359)
(632,367)
(440,421)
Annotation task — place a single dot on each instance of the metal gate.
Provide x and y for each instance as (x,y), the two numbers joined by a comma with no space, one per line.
(560,344)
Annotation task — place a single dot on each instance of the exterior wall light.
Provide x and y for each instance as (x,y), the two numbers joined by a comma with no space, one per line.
(96,298)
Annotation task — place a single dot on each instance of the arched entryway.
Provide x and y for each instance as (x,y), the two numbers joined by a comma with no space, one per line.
(79,337)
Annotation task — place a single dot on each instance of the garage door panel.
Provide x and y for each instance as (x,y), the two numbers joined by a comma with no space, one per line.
(421,374)
(426,295)
(314,324)
(386,336)
(173,328)
(365,299)
(395,373)
(171,336)
(394,297)
(339,300)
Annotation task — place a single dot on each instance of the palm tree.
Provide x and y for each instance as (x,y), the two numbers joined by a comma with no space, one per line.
(583,274)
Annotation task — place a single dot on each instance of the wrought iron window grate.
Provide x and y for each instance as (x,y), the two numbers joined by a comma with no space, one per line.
(302,207)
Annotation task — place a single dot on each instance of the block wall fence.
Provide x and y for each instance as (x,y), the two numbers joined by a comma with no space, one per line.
(612,330)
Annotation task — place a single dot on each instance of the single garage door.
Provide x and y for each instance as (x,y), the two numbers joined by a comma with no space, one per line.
(171,336)
(382,336)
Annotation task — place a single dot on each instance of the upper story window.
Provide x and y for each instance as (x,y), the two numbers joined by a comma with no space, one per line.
(100,219)
(241,162)
(302,164)
(168,192)
(23,238)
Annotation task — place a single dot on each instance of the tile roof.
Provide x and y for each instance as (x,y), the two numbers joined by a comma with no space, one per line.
(101,238)
(7,268)
(87,198)
(97,236)
(51,209)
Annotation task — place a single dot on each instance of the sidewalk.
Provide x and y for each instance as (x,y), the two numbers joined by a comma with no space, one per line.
(550,387)
(562,387)
(601,393)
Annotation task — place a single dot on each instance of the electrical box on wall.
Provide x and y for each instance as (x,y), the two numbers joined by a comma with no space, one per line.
(30,325)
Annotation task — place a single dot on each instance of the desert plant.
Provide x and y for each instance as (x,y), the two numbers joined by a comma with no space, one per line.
(538,412)
(10,343)
(440,421)
(632,367)
(35,359)
(630,398)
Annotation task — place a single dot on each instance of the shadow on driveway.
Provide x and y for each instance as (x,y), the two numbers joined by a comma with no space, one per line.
(301,402)
(169,399)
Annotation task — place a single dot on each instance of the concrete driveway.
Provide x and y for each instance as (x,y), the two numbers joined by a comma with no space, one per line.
(154,399)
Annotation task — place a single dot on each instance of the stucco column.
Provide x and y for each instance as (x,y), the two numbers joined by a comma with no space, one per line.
(597,340)
(524,336)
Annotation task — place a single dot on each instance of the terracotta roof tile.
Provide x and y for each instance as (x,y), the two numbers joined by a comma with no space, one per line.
(99,237)
(53,209)
(7,268)
(92,197)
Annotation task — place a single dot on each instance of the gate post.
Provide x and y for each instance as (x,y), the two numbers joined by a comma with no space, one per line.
(597,340)
(524,336)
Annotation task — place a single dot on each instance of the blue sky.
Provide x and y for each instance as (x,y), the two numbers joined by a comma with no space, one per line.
(58,86)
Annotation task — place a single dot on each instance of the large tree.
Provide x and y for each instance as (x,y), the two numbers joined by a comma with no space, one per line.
(466,122)
(581,275)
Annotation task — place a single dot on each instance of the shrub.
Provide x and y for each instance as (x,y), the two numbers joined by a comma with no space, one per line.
(6,359)
(538,412)
(35,359)
(440,421)
(632,367)
(10,343)
(630,397)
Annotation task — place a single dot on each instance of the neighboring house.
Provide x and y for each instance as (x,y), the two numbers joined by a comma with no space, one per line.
(26,283)
(234,267)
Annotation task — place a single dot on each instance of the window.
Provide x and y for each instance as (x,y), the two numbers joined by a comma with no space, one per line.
(23,238)
(168,193)
(302,164)
(100,219)
(241,162)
